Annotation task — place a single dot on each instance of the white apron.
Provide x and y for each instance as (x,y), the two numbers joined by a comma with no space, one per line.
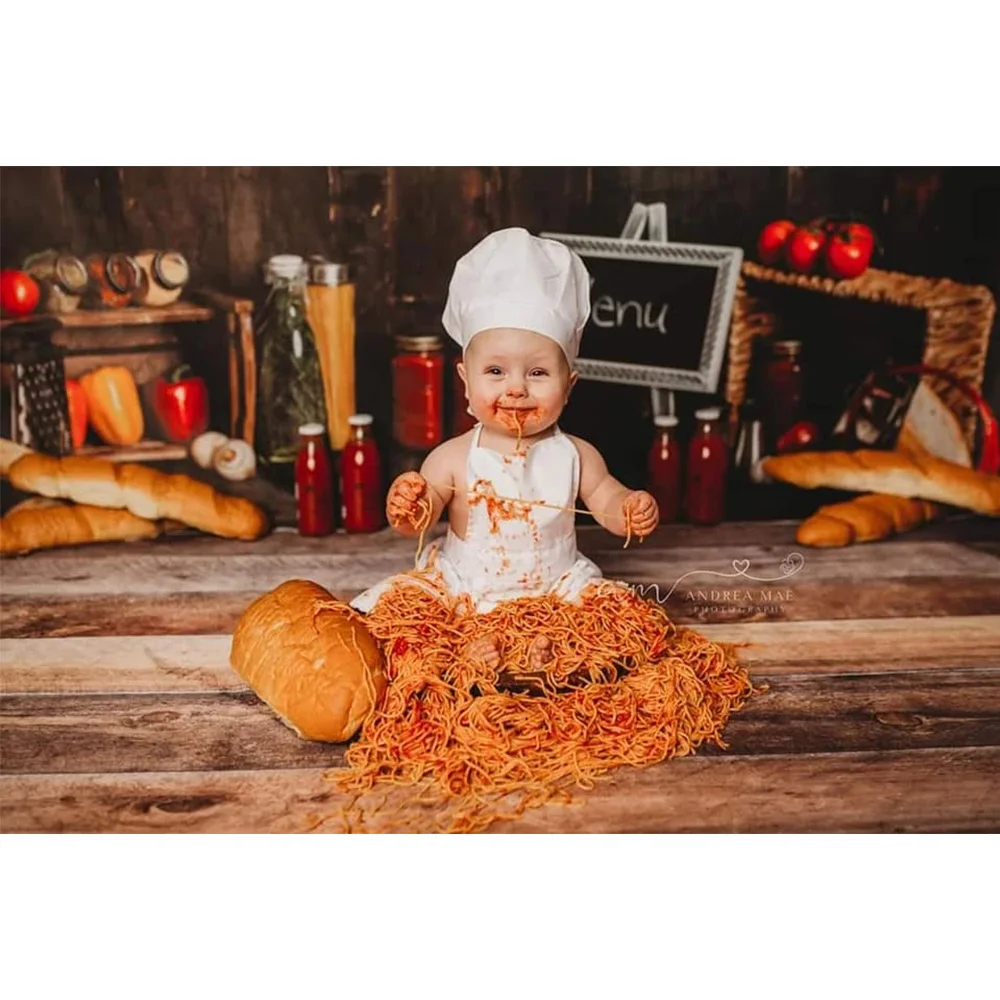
(503,558)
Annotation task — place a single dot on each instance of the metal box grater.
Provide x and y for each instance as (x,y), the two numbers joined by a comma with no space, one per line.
(39,410)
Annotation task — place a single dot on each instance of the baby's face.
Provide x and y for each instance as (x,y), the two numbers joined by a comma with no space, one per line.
(516,377)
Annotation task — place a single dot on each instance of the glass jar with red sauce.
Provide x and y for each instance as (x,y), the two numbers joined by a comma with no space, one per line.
(418,392)
(361,501)
(782,387)
(461,420)
(664,468)
(707,467)
(313,482)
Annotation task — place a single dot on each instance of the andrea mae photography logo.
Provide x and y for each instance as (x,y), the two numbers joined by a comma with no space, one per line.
(730,597)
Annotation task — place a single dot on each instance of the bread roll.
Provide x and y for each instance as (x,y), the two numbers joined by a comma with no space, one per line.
(146,492)
(30,526)
(909,474)
(311,659)
(864,519)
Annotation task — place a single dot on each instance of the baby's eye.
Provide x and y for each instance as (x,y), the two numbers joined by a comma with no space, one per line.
(493,370)
(537,373)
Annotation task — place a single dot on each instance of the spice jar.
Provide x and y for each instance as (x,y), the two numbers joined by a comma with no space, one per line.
(708,460)
(62,277)
(361,478)
(418,392)
(113,279)
(782,386)
(664,468)
(163,275)
(462,418)
(289,381)
(330,311)
(313,483)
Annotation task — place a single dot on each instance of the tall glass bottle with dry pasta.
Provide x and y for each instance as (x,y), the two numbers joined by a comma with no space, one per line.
(330,309)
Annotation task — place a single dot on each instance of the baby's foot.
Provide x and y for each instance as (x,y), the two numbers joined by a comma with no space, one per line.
(539,652)
(485,651)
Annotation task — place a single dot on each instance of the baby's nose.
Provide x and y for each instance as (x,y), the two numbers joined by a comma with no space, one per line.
(517,390)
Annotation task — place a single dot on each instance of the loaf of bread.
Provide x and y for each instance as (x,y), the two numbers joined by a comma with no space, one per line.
(864,519)
(10,453)
(903,474)
(311,659)
(31,526)
(147,493)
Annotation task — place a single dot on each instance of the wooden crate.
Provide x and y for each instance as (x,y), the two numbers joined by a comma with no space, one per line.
(149,340)
(938,321)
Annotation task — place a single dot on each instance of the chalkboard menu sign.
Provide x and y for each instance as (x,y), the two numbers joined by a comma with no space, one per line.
(659,312)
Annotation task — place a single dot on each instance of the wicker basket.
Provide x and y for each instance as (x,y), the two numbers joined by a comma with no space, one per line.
(955,321)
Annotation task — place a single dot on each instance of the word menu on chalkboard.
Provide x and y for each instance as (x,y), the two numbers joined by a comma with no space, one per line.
(659,312)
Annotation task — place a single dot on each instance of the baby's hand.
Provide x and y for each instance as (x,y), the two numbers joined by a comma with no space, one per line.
(407,502)
(643,511)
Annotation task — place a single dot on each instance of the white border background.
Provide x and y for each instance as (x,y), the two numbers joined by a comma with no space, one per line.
(520,83)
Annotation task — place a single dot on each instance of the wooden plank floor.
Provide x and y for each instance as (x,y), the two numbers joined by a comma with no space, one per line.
(119,712)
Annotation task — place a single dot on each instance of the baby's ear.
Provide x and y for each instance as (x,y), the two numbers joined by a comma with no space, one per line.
(573,376)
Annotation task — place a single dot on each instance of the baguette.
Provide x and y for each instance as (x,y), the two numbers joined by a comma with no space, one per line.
(864,519)
(146,492)
(30,526)
(910,474)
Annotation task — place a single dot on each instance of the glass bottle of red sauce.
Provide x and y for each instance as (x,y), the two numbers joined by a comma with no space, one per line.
(462,420)
(664,468)
(418,392)
(361,478)
(782,387)
(313,482)
(707,465)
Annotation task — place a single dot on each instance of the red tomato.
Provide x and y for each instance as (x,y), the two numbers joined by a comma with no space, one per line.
(18,293)
(848,256)
(799,437)
(803,248)
(859,233)
(772,238)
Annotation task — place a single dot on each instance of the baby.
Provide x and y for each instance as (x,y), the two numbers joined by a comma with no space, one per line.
(517,305)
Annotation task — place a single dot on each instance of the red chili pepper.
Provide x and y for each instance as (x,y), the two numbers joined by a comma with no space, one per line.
(77,400)
(182,405)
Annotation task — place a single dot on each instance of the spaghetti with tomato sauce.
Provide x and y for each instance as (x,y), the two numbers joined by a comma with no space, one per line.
(451,750)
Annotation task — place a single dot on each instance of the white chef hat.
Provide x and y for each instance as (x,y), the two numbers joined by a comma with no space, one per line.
(514,279)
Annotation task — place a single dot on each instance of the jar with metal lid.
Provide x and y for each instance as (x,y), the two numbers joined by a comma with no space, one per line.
(164,273)
(782,389)
(418,391)
(330,311)
(62,277)
(113,279)
(289,381)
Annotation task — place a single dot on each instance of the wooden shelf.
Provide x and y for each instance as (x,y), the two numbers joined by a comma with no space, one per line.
(144,451)
(179,312)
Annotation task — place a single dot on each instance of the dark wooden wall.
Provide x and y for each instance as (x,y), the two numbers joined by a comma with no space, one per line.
(403,229)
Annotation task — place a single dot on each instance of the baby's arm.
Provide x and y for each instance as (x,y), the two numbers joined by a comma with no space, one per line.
(608,500)
(435,482)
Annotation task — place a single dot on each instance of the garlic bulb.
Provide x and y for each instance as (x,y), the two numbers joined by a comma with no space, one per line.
(235,460)
(204,447)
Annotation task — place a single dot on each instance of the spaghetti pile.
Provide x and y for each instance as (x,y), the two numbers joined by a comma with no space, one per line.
(623,686)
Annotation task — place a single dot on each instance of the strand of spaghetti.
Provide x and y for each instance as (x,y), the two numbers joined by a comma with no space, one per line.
(628,527)
(426,509)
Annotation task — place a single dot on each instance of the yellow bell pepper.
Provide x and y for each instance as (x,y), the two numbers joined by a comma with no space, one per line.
(113,405)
